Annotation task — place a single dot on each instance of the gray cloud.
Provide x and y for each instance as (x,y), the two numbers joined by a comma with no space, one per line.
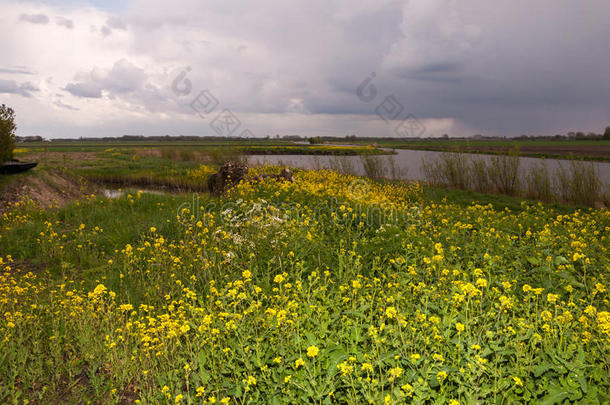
(65,22)
(447,72)
(123,78)
(113,23)
(84,90)
(116,23)
(17,70)
(12,87)
(61,104)
(34,18)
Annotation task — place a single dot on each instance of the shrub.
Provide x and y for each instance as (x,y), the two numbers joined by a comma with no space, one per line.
(479,176)
(450,169)
(220,155)
(432,171)
(342,164)
(395,172)
(538,183)
(7,133)
(579,183)
(504,172)
(373,166)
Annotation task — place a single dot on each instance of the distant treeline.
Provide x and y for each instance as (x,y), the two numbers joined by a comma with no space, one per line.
(318,139)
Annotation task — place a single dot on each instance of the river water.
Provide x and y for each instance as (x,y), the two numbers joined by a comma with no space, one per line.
(409,163)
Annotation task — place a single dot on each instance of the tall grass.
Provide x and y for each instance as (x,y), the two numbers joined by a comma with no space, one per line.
(451,169)
(181,154)
(394,170)
(218,156)
(577,182)
(479,176)
(504,172)
(432,171)
(342,164)
(373,166)
(605,197)
(538,184)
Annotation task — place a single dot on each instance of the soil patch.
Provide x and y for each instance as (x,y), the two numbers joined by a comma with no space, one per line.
(45,188)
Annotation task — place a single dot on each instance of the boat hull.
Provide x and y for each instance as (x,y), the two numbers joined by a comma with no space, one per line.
(16,167)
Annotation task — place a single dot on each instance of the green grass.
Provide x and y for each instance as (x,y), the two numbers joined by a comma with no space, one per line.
(257,147)
(331,289)
(500,147)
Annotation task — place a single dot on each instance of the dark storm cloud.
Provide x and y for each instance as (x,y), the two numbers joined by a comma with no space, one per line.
(447,72)
(514,68)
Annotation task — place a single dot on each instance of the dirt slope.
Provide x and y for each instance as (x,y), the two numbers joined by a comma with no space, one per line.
(45,187)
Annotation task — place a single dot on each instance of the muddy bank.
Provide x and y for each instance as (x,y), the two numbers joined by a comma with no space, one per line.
(45,188)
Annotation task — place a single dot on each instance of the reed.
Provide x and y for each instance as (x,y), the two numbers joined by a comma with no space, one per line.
(373,166)
(538,184)
(504,172)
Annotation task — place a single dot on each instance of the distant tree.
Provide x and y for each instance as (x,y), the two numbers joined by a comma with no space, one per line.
(314,140)
(7,133)
(607,133)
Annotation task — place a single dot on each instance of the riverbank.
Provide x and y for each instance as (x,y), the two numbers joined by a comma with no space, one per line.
(598,150)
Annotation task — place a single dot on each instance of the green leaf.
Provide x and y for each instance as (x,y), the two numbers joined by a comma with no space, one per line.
(533,261)
(557,395)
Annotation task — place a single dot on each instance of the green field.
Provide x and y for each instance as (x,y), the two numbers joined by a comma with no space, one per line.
(331,289)
(251,147)
(557,149)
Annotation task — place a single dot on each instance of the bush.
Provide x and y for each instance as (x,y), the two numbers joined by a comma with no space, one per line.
(219,156)
(450,169)
(342,164)
(432,170)
(579,183)
(395,172)
(504,172)
(538,183)
(373,166)
(7,133)
(479,176)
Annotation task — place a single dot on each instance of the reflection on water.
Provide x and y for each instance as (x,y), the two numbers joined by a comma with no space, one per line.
(408,162)
(117,193)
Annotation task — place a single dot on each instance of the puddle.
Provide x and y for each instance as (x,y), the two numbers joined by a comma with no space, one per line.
(117,193)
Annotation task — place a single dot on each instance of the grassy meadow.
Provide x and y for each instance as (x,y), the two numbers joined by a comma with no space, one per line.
(596,150)
(331,289)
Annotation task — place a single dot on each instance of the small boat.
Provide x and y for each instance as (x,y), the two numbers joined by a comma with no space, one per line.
(15,166)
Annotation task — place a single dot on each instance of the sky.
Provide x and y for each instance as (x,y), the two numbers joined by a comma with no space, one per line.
(313,68)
